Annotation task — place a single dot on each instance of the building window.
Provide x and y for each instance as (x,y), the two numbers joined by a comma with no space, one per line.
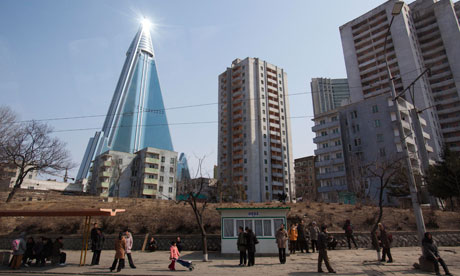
(323,133)
(354,114)
(171,170)
(245,161)
(382,152)
(265,161)
(357,142)
(335,130)
(162,179)
(170,189)
(377,123)
(375,109)
(163,159)
(379,137)
(171,180)
(338,143)
(162,169)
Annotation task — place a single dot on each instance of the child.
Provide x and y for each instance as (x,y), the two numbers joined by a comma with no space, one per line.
(174,257)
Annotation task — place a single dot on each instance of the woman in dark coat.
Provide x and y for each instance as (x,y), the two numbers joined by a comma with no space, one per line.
(29,254)
(251,245)
(431,253)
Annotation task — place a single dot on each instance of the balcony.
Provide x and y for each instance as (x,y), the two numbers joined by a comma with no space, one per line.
(332,188)
(329,149)
(150,160)
(329,162)
(325,126)
(105,174)
(277,174)
(320,139)
(151,171)
(147,180)
(276,166)
(106,164)
(105,184)
(148,192)
(330,175)
(275,141)
(279,158)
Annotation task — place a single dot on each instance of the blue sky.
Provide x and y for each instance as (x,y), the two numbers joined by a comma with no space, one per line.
(63,58)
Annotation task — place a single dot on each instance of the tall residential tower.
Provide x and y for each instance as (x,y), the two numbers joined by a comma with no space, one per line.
(425,35)
(328,94)
(254,153)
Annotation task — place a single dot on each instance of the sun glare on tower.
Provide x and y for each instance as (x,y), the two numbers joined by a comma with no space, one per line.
(146,24)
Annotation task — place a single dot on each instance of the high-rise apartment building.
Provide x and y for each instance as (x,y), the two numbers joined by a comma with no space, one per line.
(424,35)
(136,118)
(328,94)
(255,152)
(305,178)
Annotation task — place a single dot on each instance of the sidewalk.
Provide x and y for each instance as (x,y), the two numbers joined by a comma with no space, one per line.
(345,262)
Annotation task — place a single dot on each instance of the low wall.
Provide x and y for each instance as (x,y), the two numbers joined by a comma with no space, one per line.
(74,242)
(193,242)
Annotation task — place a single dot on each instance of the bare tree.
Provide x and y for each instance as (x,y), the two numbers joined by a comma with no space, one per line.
(385,171)
(193,197)
(31,148)
(358,178)
(7,123)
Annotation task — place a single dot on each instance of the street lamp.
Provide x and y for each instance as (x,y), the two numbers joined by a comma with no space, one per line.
(412,184)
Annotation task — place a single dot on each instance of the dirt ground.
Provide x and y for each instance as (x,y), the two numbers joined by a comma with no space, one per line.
(161,217)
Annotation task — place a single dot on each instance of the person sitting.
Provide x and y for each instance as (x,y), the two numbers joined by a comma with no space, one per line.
(152,245)
(331,242)
(431,253)
(58,257)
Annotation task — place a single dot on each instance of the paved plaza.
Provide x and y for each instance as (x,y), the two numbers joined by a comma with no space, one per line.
(346,262)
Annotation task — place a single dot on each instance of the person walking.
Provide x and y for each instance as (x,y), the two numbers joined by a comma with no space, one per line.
(348,228)
(97,243)
(322,251)
(281,239)
(431,253)
(292,238)
(19,249)
(302,238)
(129,246)
(251,241)
(241,245)
(385,241)
(38,252)
(120,250)
(314,231)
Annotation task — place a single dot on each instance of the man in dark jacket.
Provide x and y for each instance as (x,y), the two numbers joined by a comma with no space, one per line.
(302,238)
(241,244)
(431,253)
(322,251)
(251,241)
(348,228)
(97,243)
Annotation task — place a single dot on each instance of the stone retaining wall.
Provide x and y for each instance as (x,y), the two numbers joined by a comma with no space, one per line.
(193,242)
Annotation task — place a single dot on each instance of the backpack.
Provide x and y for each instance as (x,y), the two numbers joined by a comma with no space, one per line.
(15,244)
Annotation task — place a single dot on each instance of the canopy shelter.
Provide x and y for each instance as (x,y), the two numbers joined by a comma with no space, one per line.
(87,213)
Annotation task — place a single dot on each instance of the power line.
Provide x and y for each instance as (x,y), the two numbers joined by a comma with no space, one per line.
(168,124)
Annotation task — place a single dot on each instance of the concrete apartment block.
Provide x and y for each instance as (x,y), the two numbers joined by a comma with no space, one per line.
(305,178)
(148,173)
(255,152)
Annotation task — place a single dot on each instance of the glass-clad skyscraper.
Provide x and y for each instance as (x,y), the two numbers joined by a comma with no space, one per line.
(136,118)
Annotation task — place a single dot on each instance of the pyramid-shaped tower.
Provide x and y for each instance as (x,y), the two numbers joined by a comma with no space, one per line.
(136,118)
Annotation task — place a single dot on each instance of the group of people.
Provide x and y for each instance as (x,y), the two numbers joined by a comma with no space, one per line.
(320,241)
(246,244)
(44,249)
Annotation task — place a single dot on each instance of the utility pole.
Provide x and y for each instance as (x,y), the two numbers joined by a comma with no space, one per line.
(412,184)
